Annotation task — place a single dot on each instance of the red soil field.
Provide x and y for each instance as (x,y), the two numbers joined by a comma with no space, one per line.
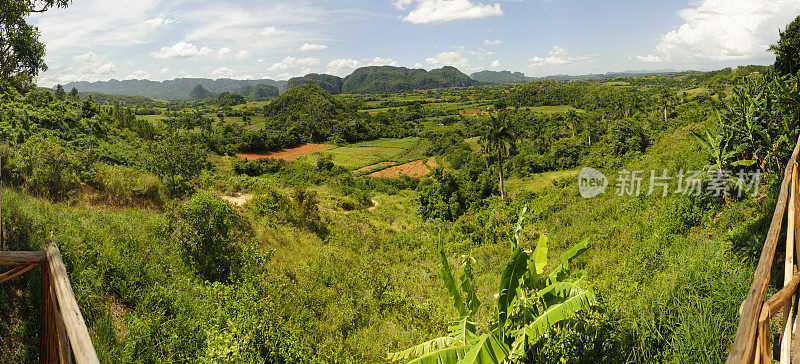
(431,162)
(373,166)
(416,168)
(291,153)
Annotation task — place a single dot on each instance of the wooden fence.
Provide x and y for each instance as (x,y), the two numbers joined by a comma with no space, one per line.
(753,342)
(62,332)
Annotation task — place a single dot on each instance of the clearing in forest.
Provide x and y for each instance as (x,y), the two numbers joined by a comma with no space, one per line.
(291,153)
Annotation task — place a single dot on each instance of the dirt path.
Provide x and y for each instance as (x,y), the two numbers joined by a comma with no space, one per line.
(238,199)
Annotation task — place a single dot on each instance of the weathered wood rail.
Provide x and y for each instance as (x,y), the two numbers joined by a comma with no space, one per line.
(62,332)
(753,342)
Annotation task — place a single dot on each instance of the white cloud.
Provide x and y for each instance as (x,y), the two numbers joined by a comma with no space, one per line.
(87,67)
(159,21)
(312,47)
(337,66)
(557,51)
(417,65)
(241,55)
(270,31)
(727,29)
(292,62)
(181,50)
(93,24)
(495,63)
(481,54)
(164,70)
(440,11)
(557,57)
(139,75)
(92,64)
(224,51)
(492,42)
(224,72)
(378,61)
(448,59)
(649,59)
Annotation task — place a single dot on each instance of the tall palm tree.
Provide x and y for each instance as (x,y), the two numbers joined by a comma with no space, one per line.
(498,137)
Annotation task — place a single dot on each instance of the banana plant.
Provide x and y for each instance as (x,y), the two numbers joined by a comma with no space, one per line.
(529,303)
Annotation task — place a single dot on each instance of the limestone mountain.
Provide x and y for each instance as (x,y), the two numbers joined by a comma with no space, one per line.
(329,83)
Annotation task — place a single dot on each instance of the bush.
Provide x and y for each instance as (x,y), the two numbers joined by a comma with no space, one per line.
(207,229)
(45,168)
(304,209)
(257,167)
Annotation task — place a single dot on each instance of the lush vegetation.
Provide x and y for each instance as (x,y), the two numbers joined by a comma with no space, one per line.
(181,248)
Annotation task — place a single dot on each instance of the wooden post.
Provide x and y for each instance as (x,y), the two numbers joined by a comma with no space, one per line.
(77,333)
(47,341)
(788,271)
(64,352)
(2,226)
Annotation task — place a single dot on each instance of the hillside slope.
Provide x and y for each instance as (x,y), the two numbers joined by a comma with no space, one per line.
(383,79)
(177,89)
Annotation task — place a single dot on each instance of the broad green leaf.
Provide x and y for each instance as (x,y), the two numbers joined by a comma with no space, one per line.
(444,356)
(421,349)
(574,251)
(463,332)
(468,287)
(560,311)
(561,271)
(541,254)
(488,349)
(450,284)
(509,281)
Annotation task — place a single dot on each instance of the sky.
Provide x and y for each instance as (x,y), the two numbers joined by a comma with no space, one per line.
(98,40)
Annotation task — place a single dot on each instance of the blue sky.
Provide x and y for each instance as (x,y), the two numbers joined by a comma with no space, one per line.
(103,39)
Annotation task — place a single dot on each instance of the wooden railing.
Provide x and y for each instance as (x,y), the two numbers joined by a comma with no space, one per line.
(753,342)
(62,332)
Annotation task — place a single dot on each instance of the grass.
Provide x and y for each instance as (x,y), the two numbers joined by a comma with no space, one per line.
(357,157)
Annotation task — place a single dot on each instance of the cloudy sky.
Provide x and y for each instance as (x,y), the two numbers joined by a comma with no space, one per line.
(278,39)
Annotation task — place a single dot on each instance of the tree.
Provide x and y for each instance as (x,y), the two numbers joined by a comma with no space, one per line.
(498,138)
(60,94)
(73,94)
(21,53)
(176,162)
(787,50)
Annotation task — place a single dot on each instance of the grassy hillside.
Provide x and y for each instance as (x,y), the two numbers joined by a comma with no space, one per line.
(182,250)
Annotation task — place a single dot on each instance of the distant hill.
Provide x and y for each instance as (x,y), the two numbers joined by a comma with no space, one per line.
(500,77)
(305,100)
(123,100)
(260,91)
(177,89)
(329,83)
(381,79)
(199,93)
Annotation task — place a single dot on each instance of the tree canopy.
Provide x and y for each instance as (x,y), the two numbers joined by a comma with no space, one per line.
(21,53)
(787,50)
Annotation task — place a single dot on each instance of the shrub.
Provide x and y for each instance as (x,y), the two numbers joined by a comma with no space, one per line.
(46,168)
(207,229)
(304,209)
(257,167)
